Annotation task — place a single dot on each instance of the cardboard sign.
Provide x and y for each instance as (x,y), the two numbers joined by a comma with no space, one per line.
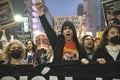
(6,15)
(111,9)
(58,21)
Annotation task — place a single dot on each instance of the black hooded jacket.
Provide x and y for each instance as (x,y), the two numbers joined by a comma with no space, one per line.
(57,42)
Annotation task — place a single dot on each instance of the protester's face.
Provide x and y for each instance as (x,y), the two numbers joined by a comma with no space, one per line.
(15,46)
(112,32)
(96,44)
(88,42)
(37,41)
(68,33)
(29,45)
(15,51)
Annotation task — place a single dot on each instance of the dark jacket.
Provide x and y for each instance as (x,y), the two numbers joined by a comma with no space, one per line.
(57,42)
(103,53)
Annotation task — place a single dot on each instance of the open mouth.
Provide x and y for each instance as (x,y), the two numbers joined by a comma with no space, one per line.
(67,34)
(68,37)
(89,43)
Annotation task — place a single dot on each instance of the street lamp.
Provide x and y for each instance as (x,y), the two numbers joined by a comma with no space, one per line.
(18,18)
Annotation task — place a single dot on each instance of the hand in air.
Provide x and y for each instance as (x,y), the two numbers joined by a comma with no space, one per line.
(40,7)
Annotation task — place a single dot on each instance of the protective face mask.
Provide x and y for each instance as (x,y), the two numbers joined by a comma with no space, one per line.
(16,53)
(115,40)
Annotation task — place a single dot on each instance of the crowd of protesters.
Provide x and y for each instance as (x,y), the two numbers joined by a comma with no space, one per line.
(62,47)
(88,50)
(67,48)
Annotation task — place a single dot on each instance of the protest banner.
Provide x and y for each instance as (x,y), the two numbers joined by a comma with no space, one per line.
(70,70)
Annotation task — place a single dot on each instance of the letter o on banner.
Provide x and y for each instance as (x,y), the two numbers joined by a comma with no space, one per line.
(38,78)
(8,78)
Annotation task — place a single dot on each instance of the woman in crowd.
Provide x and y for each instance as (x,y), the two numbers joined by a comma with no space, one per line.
(14,53)
(32,56)
(88,44)
(109,50)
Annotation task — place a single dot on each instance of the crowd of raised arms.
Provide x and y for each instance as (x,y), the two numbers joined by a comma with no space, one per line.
(64,47)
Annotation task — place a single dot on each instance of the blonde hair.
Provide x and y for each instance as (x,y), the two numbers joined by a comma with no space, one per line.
(7,47)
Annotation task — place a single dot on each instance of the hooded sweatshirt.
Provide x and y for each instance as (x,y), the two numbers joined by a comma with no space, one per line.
(58,41)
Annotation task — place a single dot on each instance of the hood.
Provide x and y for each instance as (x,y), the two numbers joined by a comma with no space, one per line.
(71,25)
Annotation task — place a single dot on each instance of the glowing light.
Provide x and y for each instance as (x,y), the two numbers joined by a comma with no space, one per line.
(18,18)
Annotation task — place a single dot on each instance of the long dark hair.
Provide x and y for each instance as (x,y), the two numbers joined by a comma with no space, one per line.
(104,40)
(72,26)
(34,46)
(83,39)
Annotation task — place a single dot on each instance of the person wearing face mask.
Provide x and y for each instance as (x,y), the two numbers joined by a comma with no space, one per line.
(14,53)
(65,46)
(109,50)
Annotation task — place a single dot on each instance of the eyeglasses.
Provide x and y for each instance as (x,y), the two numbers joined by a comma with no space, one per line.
(88,39)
